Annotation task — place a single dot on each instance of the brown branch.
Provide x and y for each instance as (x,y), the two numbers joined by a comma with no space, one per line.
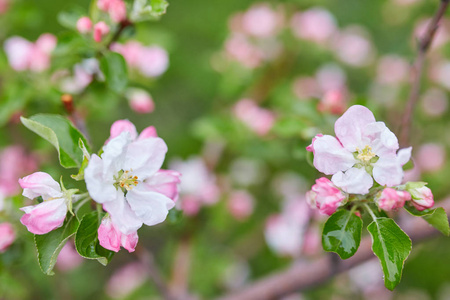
(124,24)
(417,72)
(304,275)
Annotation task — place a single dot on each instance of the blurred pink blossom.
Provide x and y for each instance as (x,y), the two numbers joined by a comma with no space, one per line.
(239,48)
(198,186)
(333,102)
(392,69)
(151,61)
(24,55)
(312,244)
(331,77)
(126,280)
(84,25)
(259,120)
(4,6)
(316,24)
(430,157)
(261,20)
(68,258)
(353,47)
(83,75)
(116,8)
(368,277)
(140,100)
(284,232)
(100,29)
(434,102)
(14,163)
(440,72)
(240,204)
(306,87)
(7,236)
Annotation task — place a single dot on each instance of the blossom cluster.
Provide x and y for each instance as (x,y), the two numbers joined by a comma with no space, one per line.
(366,164)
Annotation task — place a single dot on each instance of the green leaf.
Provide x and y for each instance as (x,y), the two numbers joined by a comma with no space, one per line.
(86,239)
(60,132)
(85,162)
(310,158)
(435,217)
(114,67)
(392,246)
(342,233)
(69,19)
(49,245)
(142,10)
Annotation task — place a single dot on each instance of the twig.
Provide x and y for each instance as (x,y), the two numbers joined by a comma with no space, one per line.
(148,260)
(306,275)
(417,72)
(124,24)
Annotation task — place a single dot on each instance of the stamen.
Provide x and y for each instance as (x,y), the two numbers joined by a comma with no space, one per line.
(366,154)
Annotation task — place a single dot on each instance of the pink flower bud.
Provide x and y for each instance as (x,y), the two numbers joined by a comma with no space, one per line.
(325,196)
(117,11)
(140,101)
(422,198)
(258,119)
(111,238)
(153,61)
(391,199)
(7,236)
(4,6)
(240,204)
(100,29)
(84,25)
(103,4)
(148,132)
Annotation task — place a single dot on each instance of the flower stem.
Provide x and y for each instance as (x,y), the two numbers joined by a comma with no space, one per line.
(369,210)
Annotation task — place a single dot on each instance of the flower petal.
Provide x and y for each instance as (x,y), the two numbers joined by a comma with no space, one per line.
(388,170)
(40,184)
(129,241)
(380,138)
(164,182)
(150,207)
(404,155)
(148,132)
(353,181)
(44,217)
(145,157)
(330,157)
(122,216)
(108,237)
(99,185)
(349,127)
(123,126)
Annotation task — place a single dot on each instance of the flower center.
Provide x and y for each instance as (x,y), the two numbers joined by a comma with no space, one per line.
(366,154)
(125,180)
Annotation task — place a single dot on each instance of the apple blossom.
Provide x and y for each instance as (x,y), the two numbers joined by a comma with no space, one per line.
(120,126)
(430,157)
(50,214)
(362,148)
(334,102)
(259,120)
(260,21)
(421,196)
(315,24)
(239,48)
(198,187)
(111,238)
(100,29)
(434,102)
(140,101)
(391,199)
(353,47)
(127,181)
(24,55)
(116,9)
(240,204)
(84,25)
(126,279)
(325,196)
(7,236)
(4,6)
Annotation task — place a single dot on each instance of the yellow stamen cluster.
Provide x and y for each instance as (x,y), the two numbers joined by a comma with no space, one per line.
(127,181)
(365,154)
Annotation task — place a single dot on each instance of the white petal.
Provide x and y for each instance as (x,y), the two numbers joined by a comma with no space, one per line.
(114,153)
(40,184)
(150,207)
(145,157)
(404,155)
(349,128)
(122,216)
(330,157)
(99,185)
(388,170)
(353,181)
(380,138)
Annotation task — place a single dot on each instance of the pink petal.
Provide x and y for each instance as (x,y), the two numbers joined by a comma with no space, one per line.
(165,182)
(353,181)
(40,184)
(148,132)
(44,217)
(330,157)
(120,126)
(108,237)
(349,128)
(130,241)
